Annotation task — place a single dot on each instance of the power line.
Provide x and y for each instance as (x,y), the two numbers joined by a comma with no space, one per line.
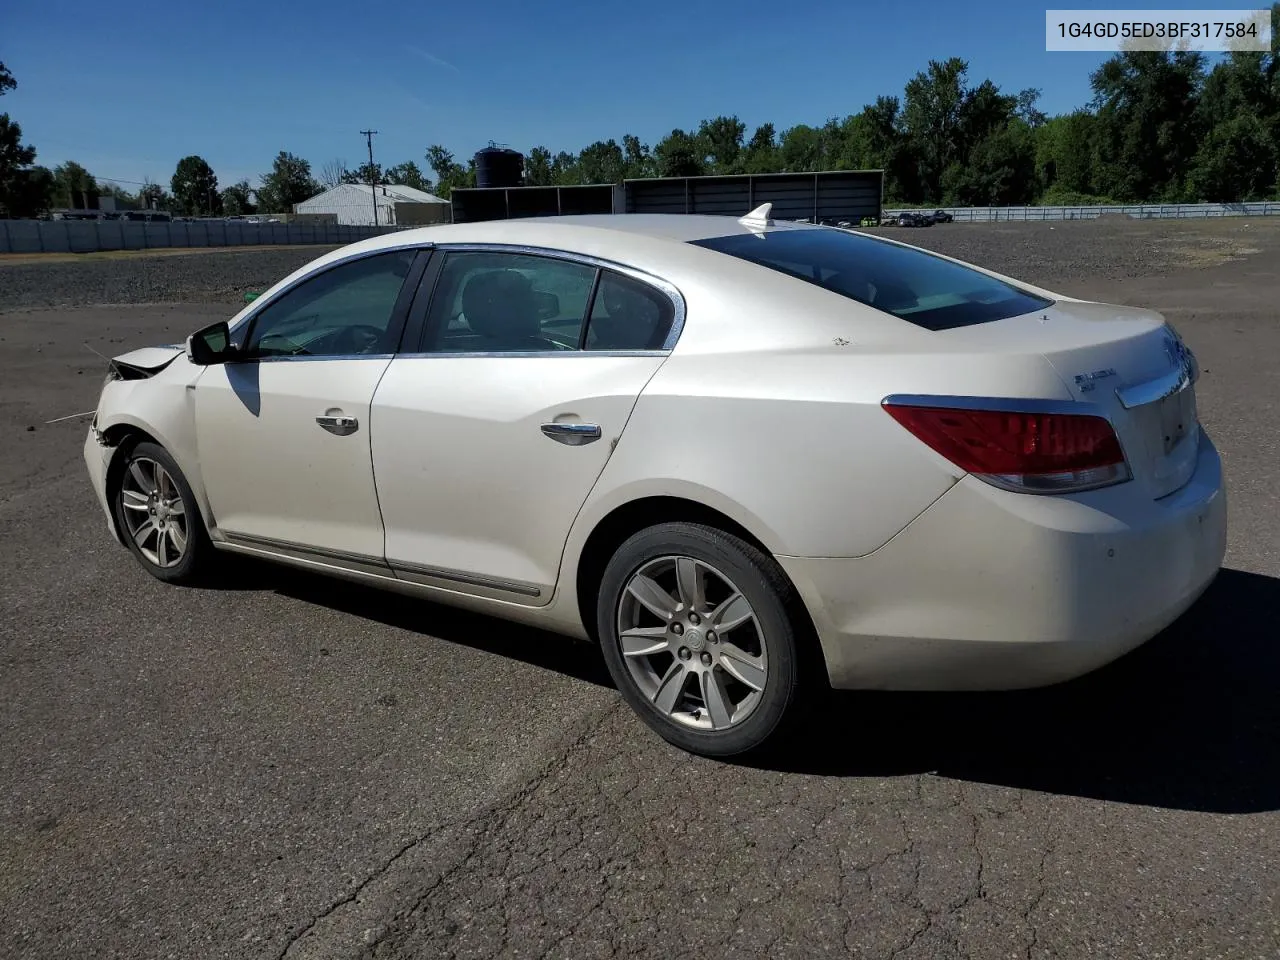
(373,174)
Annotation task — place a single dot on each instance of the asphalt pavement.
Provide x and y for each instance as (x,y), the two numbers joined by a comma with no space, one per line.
(287,766)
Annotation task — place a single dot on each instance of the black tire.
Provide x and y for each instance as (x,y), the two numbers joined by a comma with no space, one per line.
(197,556)
(759,579)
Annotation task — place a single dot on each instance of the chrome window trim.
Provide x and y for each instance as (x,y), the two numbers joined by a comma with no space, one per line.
(261,304)
(293,358)
(457,355)
(635,273)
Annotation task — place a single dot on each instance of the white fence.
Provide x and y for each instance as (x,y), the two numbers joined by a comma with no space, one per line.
(87,236)
(1142,211)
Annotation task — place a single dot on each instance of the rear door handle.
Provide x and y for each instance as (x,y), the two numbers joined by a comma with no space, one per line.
(340,425)
(573,434)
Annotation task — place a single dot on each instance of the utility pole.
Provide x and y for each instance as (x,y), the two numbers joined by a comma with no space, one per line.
(373,176)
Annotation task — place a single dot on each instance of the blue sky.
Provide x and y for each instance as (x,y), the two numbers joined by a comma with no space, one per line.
(128,89)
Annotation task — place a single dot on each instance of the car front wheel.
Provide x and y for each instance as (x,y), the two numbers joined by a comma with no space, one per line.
(698,635)
(158,516)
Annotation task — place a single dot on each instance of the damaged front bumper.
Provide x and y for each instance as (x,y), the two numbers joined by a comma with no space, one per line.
(97,458)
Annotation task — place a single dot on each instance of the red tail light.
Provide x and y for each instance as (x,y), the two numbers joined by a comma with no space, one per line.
(1025,451)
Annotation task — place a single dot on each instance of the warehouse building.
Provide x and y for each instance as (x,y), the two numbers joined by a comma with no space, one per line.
(828,196)
(353,204)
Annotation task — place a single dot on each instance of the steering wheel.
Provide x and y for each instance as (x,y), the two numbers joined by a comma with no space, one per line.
(358,338)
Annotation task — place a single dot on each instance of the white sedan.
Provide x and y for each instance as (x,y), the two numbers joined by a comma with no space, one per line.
(748,458)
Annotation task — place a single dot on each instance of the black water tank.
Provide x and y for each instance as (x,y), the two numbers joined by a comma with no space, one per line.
(499,167)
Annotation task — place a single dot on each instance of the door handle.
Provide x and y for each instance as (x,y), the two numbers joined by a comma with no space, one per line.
(342,426)
(573,434)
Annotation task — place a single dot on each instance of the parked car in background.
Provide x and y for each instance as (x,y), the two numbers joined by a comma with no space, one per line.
(745,457)
(941,216)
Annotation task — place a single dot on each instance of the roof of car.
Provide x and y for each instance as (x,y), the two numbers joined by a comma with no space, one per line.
(663,226)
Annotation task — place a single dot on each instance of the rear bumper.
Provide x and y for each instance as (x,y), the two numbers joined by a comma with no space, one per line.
(97,459)
(990,590)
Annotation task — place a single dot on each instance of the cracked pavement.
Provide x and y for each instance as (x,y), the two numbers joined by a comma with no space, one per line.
(292,767)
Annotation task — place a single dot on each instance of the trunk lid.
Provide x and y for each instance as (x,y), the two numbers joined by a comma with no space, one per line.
(1125,360)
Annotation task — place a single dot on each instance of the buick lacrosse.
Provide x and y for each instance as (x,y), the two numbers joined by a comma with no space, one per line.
(748,458)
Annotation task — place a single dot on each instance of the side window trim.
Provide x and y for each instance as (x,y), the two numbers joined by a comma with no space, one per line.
(591,305)
(413,340)
(242,329)
(432,275)
(615,277)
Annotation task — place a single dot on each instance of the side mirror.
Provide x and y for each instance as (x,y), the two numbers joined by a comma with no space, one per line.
(548,305)
(210,346)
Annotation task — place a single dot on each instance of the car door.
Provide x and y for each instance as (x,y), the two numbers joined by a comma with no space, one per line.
(283,432)
(488,439)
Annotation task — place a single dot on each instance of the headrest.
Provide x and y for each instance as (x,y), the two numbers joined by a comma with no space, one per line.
(500,304)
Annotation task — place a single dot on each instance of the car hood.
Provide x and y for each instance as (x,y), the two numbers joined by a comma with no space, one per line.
(150,359)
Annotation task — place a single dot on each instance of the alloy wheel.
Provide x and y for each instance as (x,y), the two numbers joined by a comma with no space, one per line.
(692,643)
(154,513)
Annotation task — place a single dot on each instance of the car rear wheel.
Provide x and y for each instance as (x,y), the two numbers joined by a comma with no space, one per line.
(697,632)
(158,516)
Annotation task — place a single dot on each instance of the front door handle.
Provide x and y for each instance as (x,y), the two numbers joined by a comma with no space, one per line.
(574,434)
(340,425)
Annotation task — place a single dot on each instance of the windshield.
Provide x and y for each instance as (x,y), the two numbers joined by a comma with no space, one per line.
(918,287)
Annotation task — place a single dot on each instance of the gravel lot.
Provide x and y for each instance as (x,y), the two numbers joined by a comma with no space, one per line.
(205,276)
(294,767)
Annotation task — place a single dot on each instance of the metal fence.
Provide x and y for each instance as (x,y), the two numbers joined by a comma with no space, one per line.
(1141,211)
(88,236)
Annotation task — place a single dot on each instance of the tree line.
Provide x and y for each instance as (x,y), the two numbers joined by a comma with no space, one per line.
(1161,127)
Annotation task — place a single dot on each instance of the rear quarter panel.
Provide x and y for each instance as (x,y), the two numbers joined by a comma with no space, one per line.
(769,410)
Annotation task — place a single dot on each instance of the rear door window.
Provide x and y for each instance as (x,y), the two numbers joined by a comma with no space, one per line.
(628,315)
(915,286)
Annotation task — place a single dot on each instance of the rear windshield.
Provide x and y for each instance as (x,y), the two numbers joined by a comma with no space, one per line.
(918,287)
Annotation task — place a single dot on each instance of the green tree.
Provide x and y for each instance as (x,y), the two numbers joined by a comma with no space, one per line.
(679,154)
(801,149)
(289,182)
(1236,161)
(722,138)
(450,175)
(74,186)
(407,174)
(564,169)
(761,153)
(237,199)
(1147,130)
(999,171)
(14,155)
(601,162)
(637,159)
(1028,111)
(195,187)
(873,140)
(29,193)
(537,168)
(931,117)
(1065,153)
(365,173)
(152,197)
